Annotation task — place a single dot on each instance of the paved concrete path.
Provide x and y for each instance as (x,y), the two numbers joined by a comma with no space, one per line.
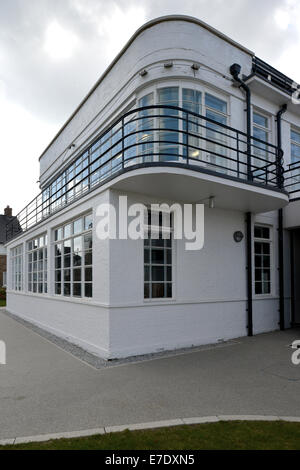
(44,389)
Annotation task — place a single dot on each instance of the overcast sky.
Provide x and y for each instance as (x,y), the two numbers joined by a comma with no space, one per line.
(53,51)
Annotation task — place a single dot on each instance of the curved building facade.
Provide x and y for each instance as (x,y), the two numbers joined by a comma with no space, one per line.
(184,115)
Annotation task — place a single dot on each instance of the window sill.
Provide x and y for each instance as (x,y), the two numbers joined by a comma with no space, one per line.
(265,296)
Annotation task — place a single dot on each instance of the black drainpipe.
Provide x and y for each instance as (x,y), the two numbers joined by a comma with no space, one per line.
(235,71)
(280,218)
(249,273)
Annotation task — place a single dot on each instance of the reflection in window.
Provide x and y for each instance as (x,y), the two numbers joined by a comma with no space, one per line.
(216,111)
(73,258)
(295,160)
(145,128)
(169,138)
(259,149)
(191,101)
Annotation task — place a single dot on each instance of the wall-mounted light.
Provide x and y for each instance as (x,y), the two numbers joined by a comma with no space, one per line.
(195,66)
(143,73)
(238,236)
(211,202)
(168,65)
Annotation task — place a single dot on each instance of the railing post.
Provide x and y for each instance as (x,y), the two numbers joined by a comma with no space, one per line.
(238,153)
(187,137)
(123,163)
(279,168)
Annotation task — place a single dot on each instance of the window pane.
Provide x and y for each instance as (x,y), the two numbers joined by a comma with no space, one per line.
(259,134)
(78,226)
(67,247)
(158,290)
(88,258)
(67,231)
(58,289)
(168,95)
(215,103)
(146,273)
(67,275)
(88,274)
(295,136)
(57,250)
(88,290)
(67,261)
(77,275)
(67,289)
(77,244)
(88,243)
(157,256)
(158,273)
(260,120)
(258,288)
(77,259)
(88,222)
(169,290)
(77,290)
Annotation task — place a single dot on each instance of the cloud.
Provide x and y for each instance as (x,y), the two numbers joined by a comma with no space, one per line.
(59,43)
(53,51)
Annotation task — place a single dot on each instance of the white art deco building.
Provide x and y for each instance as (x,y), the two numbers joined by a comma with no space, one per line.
(183,115)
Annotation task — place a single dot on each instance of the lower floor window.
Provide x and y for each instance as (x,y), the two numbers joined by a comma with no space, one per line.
(262,254)
(17,268)
(37,265)
(73,258)
(158,262)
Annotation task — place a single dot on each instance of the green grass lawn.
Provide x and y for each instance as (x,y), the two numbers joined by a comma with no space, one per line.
(235,435)
(2,303)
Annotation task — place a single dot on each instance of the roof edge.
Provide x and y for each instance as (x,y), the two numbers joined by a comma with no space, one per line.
(149,24)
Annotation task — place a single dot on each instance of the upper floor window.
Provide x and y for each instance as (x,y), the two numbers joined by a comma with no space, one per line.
(37,253)
(216,111)
(192,100)
(261,131)
(17,268)
(295,146)
(262,262)
(169,138)
(73,258)
(149,135)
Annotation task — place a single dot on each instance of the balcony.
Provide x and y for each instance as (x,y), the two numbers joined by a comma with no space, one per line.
(292,180)
(153,148)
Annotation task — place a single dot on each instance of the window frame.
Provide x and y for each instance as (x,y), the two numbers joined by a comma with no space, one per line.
(165,265)
(294,142)
(62,270)
(203,90)
(270,242)
(268,130)
(44,271)
(17,258)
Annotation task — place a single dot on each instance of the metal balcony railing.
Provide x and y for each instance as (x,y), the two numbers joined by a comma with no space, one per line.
(156,136)
(292,180)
